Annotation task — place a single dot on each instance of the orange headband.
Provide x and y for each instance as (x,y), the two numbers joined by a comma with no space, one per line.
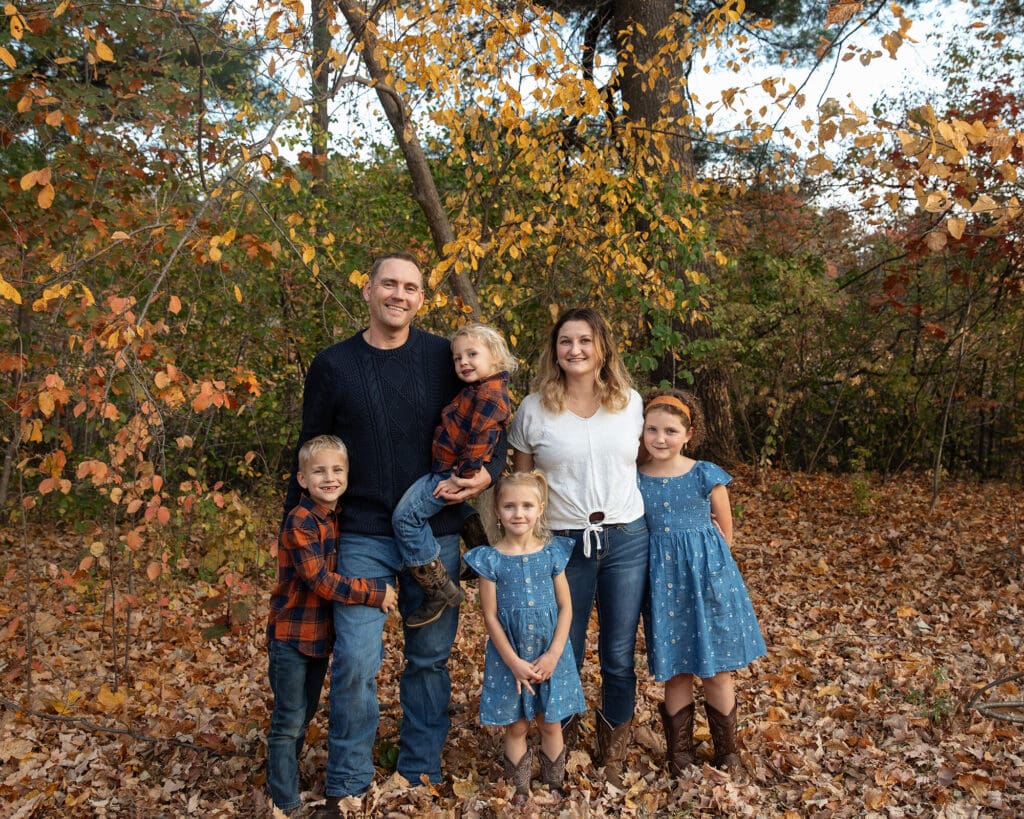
(670,401)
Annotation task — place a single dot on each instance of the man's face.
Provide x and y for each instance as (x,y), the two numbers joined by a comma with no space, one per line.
(394,295)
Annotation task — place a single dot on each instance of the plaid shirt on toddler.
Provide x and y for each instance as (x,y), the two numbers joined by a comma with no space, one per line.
(470,426)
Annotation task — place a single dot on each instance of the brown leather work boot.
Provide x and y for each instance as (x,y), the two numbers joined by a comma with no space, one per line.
(439,592)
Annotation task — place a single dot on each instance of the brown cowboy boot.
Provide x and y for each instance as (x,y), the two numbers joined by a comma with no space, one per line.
(519,773)
(611,747)
(439,592)
(723,735)
(678,727)
(552,771)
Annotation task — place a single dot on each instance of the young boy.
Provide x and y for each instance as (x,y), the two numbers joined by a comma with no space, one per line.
(463,442)
(300,630)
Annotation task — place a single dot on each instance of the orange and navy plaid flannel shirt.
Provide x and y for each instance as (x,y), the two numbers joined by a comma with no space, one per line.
(470,425)
(300,605)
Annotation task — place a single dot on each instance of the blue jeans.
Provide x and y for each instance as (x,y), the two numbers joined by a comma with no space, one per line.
(616,576)
(425,687)
(296,681)
(411,521)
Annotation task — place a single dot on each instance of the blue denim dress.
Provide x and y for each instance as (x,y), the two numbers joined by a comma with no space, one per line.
(702,621)
(528,612)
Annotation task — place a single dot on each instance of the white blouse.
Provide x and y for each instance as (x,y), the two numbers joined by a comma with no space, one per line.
(590,463)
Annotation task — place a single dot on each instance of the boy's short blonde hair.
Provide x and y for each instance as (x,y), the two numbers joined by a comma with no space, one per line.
(493,341)
(319,444)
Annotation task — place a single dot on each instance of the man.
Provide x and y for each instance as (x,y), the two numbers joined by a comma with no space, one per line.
(381,391)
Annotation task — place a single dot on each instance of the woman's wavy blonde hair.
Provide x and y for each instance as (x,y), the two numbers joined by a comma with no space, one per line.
(612,382)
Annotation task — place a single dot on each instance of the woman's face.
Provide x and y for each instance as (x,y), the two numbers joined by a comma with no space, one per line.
(577,350)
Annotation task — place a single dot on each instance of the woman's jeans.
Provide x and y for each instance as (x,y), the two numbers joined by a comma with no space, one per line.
(297,681)
(425,687)
(616,577)
(411,520)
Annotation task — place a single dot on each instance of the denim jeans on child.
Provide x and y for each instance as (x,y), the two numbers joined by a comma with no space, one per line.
(616,575)
(411,520)
(297,681)
(425,687)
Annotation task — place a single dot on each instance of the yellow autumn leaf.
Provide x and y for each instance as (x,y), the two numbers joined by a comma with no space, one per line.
(17,26)
(357,278)
(103,52)
(46,404)
(61,8)
(110,700)
(8,292)
(955,225)
(29,180)
(7,57)
(308,253)
(45,198)
(238,294)
(174,305)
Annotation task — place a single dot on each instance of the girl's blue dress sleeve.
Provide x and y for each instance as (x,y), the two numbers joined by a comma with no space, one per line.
(561,551)
(711,475)
(484,561)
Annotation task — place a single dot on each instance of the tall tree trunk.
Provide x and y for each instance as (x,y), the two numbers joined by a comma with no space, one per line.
(321,70)
(401,123)
(652,99)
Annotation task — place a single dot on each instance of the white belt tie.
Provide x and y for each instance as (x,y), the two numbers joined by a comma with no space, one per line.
(592,536)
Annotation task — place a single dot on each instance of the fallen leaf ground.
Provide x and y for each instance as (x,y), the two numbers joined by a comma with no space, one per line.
(883,620)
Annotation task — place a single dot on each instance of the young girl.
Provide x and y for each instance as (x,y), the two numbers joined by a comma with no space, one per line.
(701,620)
(530,672)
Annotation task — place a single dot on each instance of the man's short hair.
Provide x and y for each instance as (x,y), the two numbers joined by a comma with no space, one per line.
(398,254)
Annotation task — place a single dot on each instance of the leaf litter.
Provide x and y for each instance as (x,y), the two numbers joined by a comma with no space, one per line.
(882,620)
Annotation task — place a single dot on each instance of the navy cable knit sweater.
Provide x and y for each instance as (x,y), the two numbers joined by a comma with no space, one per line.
(385,405)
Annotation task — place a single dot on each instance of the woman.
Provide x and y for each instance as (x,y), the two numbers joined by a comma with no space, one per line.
(581,426)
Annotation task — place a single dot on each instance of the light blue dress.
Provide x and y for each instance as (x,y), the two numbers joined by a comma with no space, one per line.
(701,619)
(528,612)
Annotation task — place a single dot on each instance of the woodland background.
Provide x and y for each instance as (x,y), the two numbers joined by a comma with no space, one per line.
(193,193)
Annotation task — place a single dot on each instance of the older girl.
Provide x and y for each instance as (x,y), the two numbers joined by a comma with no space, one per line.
(702,623)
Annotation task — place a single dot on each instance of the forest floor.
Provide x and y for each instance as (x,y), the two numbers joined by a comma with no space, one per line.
(883,621)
